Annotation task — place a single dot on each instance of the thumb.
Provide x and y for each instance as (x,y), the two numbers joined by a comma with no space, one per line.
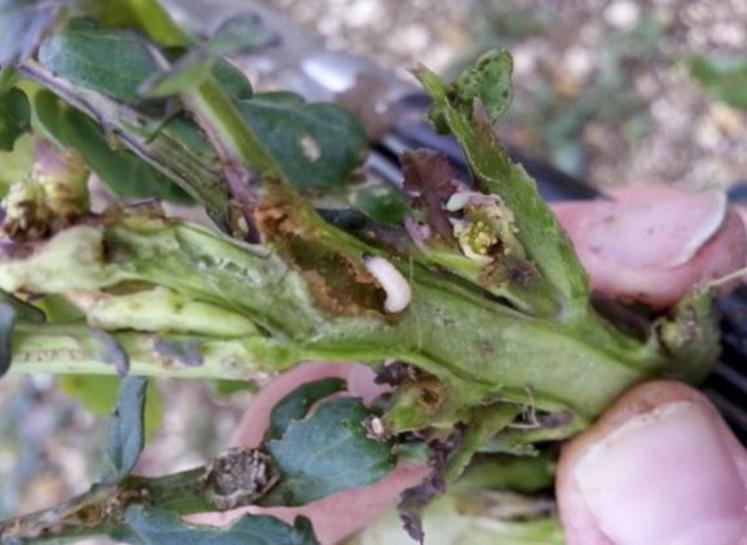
(659,467)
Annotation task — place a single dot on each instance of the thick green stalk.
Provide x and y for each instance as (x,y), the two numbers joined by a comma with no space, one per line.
(478,348)
(229,133)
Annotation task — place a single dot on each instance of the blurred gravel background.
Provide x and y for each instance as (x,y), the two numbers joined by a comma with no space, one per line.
(602,91)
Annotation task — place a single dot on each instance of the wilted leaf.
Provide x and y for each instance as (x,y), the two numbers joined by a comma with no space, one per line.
(21,25)
(15,116)
(126,435)
(723,77)
(112,61)
(327,452)
(158,527)
(97,394)
(415,500)
(318,145)
(296,404)
(432,178)
(122,171)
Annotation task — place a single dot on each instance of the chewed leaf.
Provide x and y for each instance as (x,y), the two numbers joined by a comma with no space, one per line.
(22,23)
(296,404)
(15,117)
(488,79)
(126,435)
(112,61)
(536,228)
(154,526)
(318,145)
(327,452)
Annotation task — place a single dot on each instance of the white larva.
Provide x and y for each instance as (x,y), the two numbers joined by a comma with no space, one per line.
(398,291)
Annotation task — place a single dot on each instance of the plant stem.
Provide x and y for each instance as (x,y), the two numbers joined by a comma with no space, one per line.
(148,138)
(58,349)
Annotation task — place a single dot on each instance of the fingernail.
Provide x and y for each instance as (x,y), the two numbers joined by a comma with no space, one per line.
(667,478)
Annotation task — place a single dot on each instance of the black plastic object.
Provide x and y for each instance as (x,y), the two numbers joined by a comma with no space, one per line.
(727,385)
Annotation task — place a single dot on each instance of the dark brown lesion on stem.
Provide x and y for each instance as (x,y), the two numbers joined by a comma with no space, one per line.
(336,276)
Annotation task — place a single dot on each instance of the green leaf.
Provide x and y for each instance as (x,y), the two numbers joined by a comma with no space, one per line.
(15,117)
(317,145)
(7,79)
(154,526)
(234,81)
(240,35)
(97,394)
(543,239)
(723,77)
(22,23)
(327,452)
(381,203)
(7,324)
(112,61)
(190,70)
(126,430)
(146,15)
(296,404)
(186,73)
(122,171)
